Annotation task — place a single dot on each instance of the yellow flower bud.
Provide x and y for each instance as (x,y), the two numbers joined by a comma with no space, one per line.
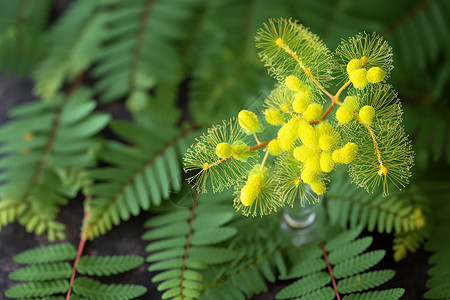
(310,175)
(240,150)
(252,188)
(248,120)
(302,153)
(318,187)
(326,162)
(274,147)
(313,111)
(354,65)
(359,78)
(274,116)
(344,114)
(352,102)
(224,150)
(328,141)
(293,83)
(313,162)
(308,134)
(376,74)
(301,101)
(367,113)
(288,133)
(346,154)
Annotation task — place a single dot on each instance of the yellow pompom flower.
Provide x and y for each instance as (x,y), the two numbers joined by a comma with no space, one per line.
(375,75)
(273,116)
(359,78)
(308,134)
(240,150)
(252,188)
(354,65)
(288,133)
(346,154)
(313,162)
(351,102)
(301,101)
(248,120)
(310,175)
(318,187)
(302,153)
(224,150)
(328,141)
(293,83)
(344,114)
(326,162)
(274,147)
(313,111)
(366,113)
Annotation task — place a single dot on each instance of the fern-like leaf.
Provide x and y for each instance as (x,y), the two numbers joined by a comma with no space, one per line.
(140,176)
(341,254)
(93,289)
(42,272)
(53,253)
(43,141)
(108,265)
(38,289)
(180,252)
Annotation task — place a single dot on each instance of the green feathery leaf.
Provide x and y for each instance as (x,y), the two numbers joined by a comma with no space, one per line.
(53,253)
(108,265)
(93,289)
(43,272)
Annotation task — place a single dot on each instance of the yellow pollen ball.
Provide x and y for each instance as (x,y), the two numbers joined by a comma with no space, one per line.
(346,154)
(279,41)
(301,101)
(354,65)
(376,74)
(224,150)
(366,113)
(293,83)
(308,134)
(326,162)
(359,78)
(328,141)
(313,111)
(240,150)
(284,108)
(288,133)
(273,116)
(274,147)
(205,166)
(302,153)
(248,120)
(313,162)
(252,188)
(352,102)
(318,187)
(344,114)
(310,175)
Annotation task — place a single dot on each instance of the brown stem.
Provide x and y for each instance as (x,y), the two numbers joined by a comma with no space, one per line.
(80,247)
(330,270)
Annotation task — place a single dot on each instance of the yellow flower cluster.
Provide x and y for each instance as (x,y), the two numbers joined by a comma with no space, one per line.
(253,186)
(239,150)
(360,77)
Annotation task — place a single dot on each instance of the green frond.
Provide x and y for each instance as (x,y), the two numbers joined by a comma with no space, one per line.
(347,206)
(38,289)
(186,244)
(143,46)
(343,254)
(21,34)
(393,157)
(377,295)
(201,158)
(75,45)
(140,176)
(108,265)
(53,253)
(288,48)
(43,142)
(371,46)
(408,242)
(41,272)
(93,289)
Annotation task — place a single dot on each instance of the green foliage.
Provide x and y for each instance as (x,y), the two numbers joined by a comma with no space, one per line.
(44,141)
(48,274)
(184,243)
(345,255)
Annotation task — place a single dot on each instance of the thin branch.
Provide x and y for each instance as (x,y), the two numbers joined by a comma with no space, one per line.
(330,270)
